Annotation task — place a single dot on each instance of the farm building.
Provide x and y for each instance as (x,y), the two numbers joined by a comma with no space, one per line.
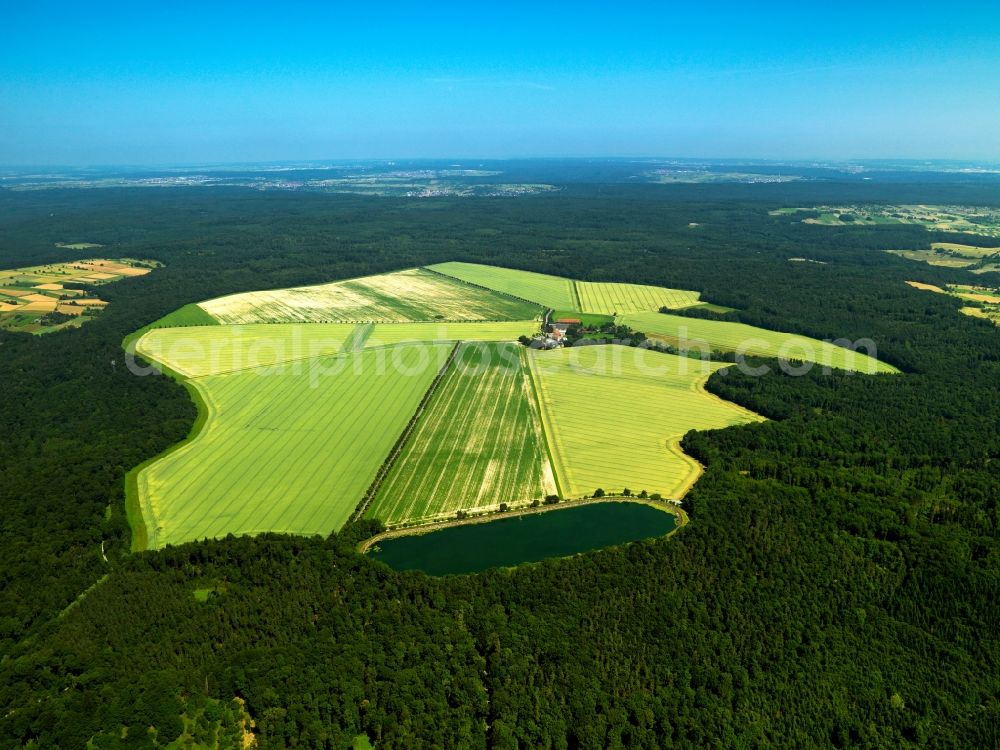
(561,324)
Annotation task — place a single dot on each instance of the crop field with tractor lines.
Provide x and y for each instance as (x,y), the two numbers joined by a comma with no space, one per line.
(619,299)
(289,452)
(479,444)
(614,417)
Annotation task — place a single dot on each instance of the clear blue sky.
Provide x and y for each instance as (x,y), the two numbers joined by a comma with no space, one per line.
(155,82)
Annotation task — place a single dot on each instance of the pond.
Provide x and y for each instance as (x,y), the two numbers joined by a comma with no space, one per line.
(524,538)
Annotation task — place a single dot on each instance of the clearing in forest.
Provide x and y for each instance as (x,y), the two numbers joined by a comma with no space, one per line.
(984,302)
(289,452)
(299,417)
(415,294)
(479,444)
(41,299)
(614,417)
(719,335)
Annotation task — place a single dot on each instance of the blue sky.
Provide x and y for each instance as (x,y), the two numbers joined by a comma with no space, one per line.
(159,83)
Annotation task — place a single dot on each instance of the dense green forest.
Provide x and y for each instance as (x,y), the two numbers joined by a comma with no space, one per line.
(837,586)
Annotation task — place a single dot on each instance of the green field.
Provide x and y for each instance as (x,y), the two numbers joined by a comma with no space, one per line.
(727,336)
(189,315)
(548,291)
(210,350)
(478,444)
(614,417)
(619,299)
(411,295)
(289,452)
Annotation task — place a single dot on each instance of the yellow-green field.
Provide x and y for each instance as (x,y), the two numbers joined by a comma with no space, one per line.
(195,351)
(614,417)
(542,289)
(291,452)
(411,295)
(558,293)
(693,333)
(298,416)
(479,444)
(619,299)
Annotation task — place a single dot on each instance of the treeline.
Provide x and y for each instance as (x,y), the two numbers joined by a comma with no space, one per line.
(835,587)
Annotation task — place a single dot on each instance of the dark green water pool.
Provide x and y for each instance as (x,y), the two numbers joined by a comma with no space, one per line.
(519,539)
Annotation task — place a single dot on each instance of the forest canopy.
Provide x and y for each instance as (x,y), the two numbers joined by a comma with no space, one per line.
(836,585)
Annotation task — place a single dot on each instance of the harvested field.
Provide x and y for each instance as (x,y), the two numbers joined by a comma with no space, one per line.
(412,295)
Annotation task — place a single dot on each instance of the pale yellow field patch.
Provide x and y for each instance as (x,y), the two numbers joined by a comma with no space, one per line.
(974,312)
(130,271)
(49,287)
(987,298)
(39,306)
(926,287)
(15,292)
(90,302)
(112,267)
(71,309)
(8,307)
